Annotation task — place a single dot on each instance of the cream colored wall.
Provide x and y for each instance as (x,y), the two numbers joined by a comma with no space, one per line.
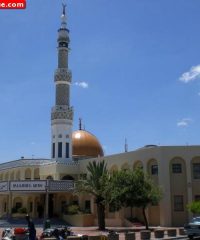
(57,171)
(144,157)
(20,173)
(178,184)
(195,182)
(80,220)
(163,156)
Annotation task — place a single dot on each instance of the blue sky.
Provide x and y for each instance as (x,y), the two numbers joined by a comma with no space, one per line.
(135,65)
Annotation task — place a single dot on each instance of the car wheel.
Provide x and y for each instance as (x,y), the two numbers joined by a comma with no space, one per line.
(190,236)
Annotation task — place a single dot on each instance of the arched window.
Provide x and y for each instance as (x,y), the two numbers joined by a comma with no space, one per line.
(152,167)
(12,176)
(67,177)
(49,178)
(28,174)
(6,177)
(17,203)
(138,164)
(125,167)
(113,169)
(18,175)
(36,174)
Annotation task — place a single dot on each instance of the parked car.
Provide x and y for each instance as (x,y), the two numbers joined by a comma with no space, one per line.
(192,229)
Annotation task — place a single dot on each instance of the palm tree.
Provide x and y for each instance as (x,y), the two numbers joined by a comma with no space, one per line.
(94,184)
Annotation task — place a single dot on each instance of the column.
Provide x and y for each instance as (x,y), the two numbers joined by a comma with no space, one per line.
(47,201)
(10,205)
(189,185)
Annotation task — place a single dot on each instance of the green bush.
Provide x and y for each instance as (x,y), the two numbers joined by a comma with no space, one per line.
(87,210)
(14,210)
(22,210)
(194,207)
(72,209)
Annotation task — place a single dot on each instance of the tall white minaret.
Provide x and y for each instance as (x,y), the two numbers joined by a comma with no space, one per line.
(62,113)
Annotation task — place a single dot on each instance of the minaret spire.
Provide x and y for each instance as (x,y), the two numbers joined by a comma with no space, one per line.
(64,17)
(64,7)
(62,112)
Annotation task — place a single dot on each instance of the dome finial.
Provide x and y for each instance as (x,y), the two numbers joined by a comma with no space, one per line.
(126,146)
(80,123)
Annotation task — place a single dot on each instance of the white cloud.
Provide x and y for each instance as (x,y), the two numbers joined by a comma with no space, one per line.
(184,122)
(82,84)
(191,75)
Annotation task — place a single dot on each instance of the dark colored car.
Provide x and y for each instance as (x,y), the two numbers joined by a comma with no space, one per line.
(192,229)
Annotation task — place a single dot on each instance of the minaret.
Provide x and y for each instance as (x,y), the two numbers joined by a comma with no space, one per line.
(62,113)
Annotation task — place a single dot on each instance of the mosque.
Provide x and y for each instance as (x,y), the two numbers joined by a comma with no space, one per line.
(45,186)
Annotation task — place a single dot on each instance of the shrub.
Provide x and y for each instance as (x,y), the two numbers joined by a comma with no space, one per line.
(72,209)
(22,210)
(14,210)
(87,210)
(194,207)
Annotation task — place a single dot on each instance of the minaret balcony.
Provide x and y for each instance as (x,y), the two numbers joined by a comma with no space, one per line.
(63,75)
(62,112)
(60,108)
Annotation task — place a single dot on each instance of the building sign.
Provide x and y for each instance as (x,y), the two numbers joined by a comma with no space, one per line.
(3,186)
(62,185)
(32,186)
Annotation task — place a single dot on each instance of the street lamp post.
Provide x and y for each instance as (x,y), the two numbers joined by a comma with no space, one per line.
(46,201)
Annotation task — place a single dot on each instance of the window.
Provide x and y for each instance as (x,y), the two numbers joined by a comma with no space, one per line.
(49,178)
(18,205)
(87,206)
(63,206)
(178,203)
(59,149)
(30,206)
(67,150)
(75,202)
(53,150)
(154,170)
(196,170)
(197,197)
(176,168)
(60,136)
(5,207)
(83,176)
(28,174)
(112,208)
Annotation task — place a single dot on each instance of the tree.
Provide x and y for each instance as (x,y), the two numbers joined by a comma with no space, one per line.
(118,188)
(194,207)
(95,184)
(146,192)
(133,188)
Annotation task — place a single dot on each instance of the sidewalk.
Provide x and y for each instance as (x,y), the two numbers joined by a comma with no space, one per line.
(90,231)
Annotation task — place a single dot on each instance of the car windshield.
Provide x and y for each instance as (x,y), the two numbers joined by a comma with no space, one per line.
(197,219)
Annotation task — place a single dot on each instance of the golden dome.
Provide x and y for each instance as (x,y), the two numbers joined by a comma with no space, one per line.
(85,144)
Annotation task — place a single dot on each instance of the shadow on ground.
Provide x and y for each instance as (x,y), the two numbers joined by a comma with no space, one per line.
(20,222)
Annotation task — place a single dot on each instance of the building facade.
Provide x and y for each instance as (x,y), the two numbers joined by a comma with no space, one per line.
(44,187)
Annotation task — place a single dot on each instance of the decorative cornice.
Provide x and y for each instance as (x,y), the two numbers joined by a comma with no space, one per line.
(62,112)
(62,75)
